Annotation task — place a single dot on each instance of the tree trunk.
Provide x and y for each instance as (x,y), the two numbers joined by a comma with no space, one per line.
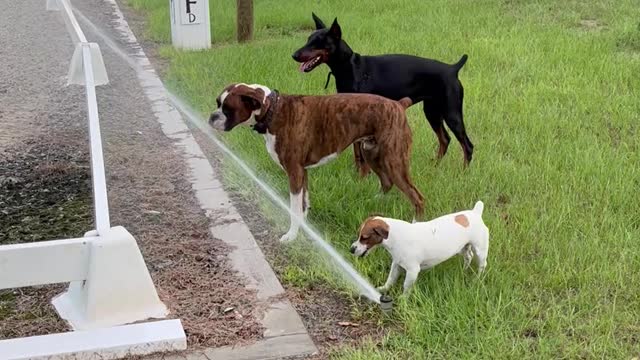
(245,19)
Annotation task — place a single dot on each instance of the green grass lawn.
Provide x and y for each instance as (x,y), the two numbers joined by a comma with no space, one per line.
(552,104)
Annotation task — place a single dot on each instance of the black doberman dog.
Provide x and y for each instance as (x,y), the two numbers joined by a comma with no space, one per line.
(434,83)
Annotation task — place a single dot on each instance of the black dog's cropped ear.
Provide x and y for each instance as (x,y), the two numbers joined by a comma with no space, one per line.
(335,30)
(319,23)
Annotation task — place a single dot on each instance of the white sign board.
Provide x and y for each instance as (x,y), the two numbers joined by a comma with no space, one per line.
(190,27)
(191,11)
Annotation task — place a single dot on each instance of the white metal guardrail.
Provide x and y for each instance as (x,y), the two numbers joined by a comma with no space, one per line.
(87,68)
(100,201)
(109,282)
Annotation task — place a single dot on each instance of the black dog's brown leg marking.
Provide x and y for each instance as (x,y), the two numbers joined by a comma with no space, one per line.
(435,117)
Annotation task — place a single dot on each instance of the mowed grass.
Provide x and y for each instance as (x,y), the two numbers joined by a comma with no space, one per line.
(552,104)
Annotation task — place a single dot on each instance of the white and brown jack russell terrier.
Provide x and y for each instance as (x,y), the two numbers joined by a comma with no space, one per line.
(302,132)
(422,245)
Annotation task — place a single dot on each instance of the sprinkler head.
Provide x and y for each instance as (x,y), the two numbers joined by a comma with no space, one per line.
(386,303)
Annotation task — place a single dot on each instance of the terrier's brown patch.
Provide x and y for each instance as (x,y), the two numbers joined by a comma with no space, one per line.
(462,220)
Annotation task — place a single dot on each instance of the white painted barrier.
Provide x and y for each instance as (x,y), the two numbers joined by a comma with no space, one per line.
(17,262)
(110,284)
(109,343)
(115,288)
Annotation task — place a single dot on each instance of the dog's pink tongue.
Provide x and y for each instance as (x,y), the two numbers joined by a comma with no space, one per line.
(304,65)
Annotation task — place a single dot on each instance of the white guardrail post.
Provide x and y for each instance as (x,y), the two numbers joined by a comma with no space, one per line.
(76,74)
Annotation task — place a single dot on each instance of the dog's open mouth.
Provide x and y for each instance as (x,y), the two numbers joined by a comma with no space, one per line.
(311,64)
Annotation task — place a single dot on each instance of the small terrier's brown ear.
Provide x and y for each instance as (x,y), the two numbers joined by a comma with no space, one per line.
(382,231)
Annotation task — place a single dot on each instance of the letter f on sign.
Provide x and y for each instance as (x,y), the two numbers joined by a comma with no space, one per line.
(189,2)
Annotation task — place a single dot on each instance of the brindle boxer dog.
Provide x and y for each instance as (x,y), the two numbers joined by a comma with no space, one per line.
(303,132)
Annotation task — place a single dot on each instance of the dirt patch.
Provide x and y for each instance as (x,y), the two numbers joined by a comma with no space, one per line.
(15,123)
(44,192)
(591,25)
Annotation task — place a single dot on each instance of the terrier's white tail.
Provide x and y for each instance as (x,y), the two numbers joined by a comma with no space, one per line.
(478,208)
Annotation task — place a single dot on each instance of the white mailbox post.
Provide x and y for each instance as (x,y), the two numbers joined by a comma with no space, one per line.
(190,26)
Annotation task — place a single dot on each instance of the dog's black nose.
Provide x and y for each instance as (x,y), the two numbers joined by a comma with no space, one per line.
(296,56)
(353,249)
(213,117)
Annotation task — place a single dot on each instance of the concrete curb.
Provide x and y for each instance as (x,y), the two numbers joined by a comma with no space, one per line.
(285,334)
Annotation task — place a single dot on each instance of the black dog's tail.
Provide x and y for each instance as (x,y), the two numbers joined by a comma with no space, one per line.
(457,66)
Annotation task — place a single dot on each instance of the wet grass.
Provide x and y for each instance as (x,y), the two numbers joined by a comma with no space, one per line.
(552,104)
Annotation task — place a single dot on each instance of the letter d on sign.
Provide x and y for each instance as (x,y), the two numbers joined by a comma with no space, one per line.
(192,18)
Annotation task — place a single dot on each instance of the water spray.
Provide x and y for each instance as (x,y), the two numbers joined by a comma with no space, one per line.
(195,119)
